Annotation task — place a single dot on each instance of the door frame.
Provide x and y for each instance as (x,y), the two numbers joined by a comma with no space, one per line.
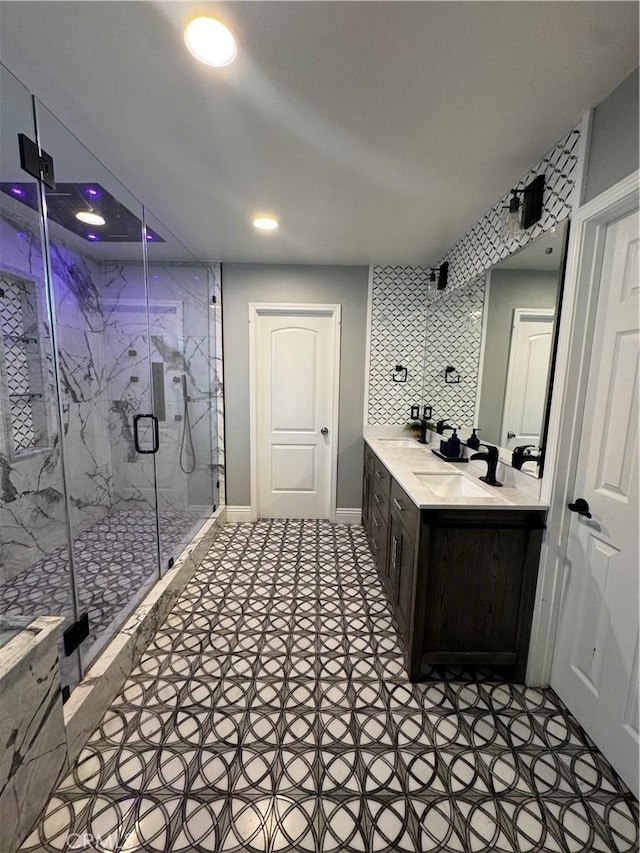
(568,404)
(256,310)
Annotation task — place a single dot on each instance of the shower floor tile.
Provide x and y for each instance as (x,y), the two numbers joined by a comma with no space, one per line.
(115,563)
(271,712)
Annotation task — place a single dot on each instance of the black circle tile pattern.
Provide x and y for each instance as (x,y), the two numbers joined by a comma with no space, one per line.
(271,712)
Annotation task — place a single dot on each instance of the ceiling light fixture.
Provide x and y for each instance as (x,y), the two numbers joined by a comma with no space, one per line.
(210,41)
(522,215)
(265,223)
(89,217)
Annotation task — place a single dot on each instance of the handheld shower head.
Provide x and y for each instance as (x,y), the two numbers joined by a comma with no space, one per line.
(187,451)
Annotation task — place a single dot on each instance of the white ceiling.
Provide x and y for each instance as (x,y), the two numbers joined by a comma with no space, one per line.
(377,132)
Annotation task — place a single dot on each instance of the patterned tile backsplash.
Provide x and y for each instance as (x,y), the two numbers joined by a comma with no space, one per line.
(454,331)
(398,318)
(401,310)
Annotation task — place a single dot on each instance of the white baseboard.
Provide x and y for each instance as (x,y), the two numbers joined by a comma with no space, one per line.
(239,513)
(349,515)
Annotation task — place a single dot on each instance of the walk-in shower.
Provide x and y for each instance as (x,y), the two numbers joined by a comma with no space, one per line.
(109,458)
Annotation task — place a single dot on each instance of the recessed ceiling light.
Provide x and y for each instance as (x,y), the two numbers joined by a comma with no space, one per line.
(89,217)
(210,42)
(265,223)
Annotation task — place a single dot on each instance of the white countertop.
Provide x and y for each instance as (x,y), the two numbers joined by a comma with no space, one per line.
(404,463)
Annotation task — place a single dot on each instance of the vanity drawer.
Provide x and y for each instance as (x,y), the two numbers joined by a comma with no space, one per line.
(381,476)
(404,509)
(380,492)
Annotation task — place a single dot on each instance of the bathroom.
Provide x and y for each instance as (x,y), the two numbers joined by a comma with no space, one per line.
(131,452)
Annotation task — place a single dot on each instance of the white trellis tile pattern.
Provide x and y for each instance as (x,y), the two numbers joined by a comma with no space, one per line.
(397,337)
(399,303)
(454,331)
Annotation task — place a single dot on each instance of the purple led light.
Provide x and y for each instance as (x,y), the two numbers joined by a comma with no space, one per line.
(150,236)
(17,191)
(92,191)
(92,237)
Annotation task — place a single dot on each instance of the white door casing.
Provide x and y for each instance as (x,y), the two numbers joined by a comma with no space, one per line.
(595,662)
(294,367)
(527,374)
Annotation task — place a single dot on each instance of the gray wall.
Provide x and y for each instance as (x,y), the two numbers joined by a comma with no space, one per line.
(245,283)
(614,146)
(509,289)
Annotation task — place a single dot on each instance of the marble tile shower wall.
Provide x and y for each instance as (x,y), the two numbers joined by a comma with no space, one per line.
(182,330)
(399,306)
(31,493)
(100,322)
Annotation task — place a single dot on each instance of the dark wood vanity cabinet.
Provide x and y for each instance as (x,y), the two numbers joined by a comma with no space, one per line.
(366,489)
(461,582)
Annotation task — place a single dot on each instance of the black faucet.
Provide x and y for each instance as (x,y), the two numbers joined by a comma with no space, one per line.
(520,456)
(424,424)
(441,426)
(491,458)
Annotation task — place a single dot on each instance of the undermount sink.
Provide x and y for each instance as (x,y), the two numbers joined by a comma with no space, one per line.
(401,442)
(452,485)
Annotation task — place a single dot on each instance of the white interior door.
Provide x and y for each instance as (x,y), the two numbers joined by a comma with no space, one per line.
(527,375)
(297,420)
(595,664)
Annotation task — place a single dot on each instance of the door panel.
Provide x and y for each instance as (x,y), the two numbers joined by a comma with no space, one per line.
(595,666)
(527,376)
(295,399)
(294,366)
(293,468)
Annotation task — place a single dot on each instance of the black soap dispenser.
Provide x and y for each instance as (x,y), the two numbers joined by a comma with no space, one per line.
(473,442)
(453,446)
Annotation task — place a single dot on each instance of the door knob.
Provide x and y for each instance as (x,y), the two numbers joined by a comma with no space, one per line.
(581,507)
(511,434)
(324,431)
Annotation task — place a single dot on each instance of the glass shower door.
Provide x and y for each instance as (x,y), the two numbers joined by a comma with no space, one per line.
(95,229)
(181,299)
(36,572)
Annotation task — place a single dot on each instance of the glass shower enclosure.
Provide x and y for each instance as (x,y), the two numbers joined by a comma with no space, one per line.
(109,431)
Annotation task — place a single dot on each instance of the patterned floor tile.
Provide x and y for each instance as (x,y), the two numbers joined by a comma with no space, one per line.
(271,712)
(113,557)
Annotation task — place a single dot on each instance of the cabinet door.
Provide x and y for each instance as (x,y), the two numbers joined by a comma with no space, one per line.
(406,566)
(395,556)
(379,540)
(366,500)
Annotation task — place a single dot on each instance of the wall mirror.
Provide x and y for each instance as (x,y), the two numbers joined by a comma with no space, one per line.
(498,333)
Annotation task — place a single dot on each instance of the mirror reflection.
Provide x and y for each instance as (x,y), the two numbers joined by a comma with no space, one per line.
(521,294)
(489,347)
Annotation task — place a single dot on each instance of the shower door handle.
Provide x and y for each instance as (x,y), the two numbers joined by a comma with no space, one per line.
(156,433)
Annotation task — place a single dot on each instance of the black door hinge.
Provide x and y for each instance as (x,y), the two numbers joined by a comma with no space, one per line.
(76,634)
(36,163)
(213,300)
(170,563)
